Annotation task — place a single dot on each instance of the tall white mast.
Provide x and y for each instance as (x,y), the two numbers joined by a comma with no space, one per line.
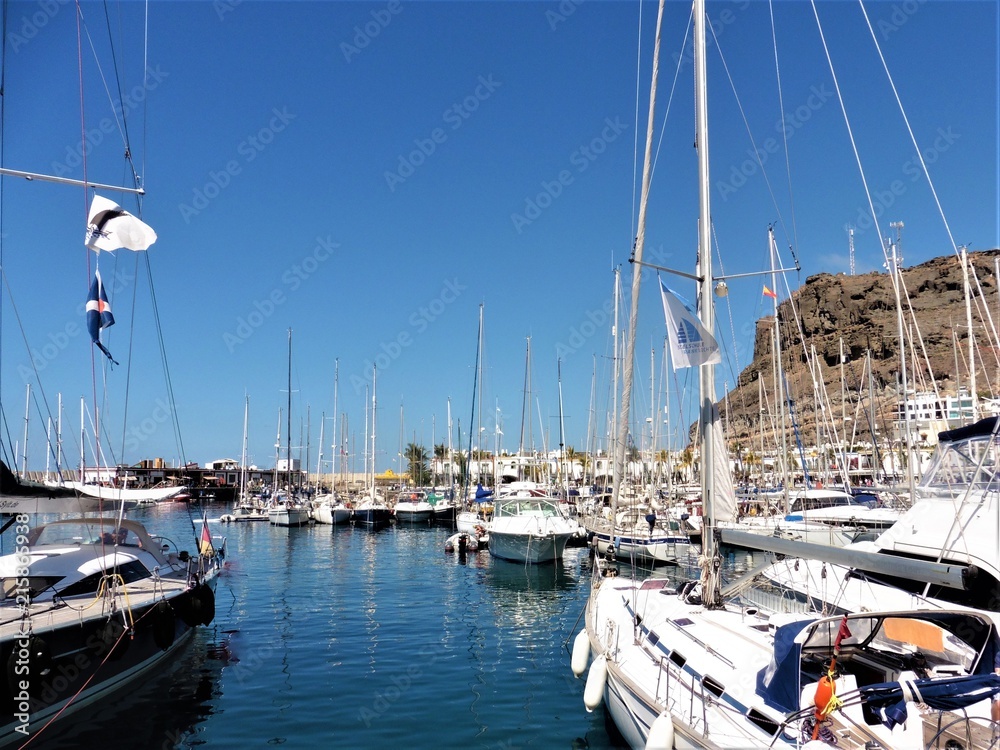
(640,241)
(333,446)
(59,412)
(709,414)
(373,432)
(972,338)
(27,414)
(243,457)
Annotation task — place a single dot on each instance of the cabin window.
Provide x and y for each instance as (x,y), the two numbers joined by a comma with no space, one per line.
(677,658)
(32,585)
(713,686)
(133,571)
(762,721)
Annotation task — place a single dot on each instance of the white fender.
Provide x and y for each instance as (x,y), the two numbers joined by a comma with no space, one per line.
(581,653)
(661,733)
(593,693)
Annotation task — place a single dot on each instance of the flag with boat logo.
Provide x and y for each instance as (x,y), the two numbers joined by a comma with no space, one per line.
(691,344)
(99,313)
(206,547)
(110,227)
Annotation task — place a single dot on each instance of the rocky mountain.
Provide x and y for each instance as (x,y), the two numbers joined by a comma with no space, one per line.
(858,315)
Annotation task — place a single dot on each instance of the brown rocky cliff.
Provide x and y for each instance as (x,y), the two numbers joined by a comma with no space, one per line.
(861,312)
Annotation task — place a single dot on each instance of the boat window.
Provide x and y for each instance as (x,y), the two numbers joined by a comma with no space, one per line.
(132,571)
(713,686)
(762,721)
(32,585)
(908,635)
(677,658)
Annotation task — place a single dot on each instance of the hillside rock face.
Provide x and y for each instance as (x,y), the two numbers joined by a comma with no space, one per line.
(857,314)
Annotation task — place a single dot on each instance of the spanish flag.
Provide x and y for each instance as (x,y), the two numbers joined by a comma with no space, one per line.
(769,293)
(206,539)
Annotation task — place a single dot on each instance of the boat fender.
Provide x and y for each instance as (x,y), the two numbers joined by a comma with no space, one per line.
(581,653)
(39,665)
(661,733)
(164,625)
(112,639)
(197,606)
(593,692)
(206,598)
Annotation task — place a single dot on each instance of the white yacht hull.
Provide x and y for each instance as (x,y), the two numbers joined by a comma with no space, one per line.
(331,515)
(288,516)
(528,548)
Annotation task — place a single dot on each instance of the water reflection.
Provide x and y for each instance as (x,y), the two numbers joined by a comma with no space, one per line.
(164,710)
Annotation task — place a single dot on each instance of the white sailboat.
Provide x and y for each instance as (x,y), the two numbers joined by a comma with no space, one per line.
(692,667)
(330,509)
(371,511)
(285,508)
(245,507)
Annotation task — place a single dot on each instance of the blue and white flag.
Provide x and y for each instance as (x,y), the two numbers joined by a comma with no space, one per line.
(110,227)
(99,313)
(691,344)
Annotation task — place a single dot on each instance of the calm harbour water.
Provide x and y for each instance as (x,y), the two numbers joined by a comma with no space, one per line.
(341,637)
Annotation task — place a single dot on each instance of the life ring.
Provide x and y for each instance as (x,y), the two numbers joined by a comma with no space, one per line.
(112,641)
(164,625)
(32,663)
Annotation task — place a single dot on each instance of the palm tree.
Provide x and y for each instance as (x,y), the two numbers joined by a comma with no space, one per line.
(416,455)
(440,456)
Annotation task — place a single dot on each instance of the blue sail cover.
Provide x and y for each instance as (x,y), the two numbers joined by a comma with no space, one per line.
(482,494)
(778,682)
(945,694)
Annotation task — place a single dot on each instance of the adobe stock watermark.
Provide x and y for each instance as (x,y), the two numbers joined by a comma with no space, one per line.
(94,137)
(419,322)
(564,10)
(248,150)
(60,340)
(291,280)
(22,645)
(366,32)
(224,7)
(34,23)
(455,116)
(911,168)
(789,124)
(598,320)
(581,159)
(136,435)
(402,682)
(901,13)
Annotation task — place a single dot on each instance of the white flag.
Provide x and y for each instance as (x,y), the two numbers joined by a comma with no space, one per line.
(691,344)
(110,227)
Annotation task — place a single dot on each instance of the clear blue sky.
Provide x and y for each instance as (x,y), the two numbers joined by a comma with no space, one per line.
(368,174)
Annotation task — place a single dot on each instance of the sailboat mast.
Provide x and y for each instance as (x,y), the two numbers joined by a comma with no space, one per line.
(562,435)
(27,417)
(288,434)
(243,457)
(83,445)
(59,456)
(706,372)
(640,241)
(373,431)
(779,380)
(451,466)
(333,446)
